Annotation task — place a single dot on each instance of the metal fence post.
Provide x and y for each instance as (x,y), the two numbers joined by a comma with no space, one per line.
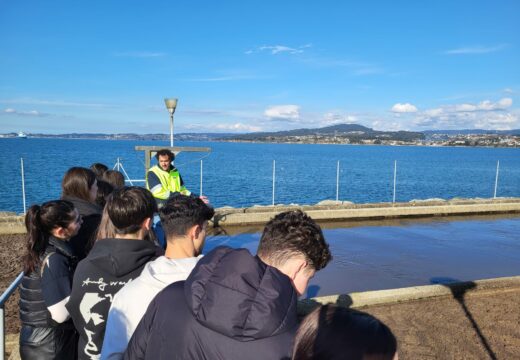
(201,177)
(395,178)
(274,177)
(23,186)
(337,182)
(496,180)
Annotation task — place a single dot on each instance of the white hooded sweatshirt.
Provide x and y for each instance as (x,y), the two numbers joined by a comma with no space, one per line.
(130,303)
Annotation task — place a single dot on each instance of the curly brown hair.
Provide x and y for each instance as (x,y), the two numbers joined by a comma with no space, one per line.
(293,233)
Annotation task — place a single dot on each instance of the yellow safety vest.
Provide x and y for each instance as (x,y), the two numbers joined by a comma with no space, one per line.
(170,181)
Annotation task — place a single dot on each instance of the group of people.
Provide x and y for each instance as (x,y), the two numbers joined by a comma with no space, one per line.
(99,284)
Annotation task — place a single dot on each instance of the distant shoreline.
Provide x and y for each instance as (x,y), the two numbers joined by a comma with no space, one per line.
(107,138)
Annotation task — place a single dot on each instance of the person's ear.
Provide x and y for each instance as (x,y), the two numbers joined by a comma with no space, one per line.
(59,232)
(147,224)
(296,266)
(194,232)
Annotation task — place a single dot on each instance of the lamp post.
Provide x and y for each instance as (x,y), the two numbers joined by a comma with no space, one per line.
(171,104)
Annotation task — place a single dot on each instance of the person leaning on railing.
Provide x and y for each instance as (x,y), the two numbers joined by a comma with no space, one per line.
(47,331)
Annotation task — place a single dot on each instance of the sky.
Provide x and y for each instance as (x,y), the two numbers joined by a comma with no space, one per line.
(243,66)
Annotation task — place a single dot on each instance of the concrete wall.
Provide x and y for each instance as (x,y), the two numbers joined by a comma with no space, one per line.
(332,211)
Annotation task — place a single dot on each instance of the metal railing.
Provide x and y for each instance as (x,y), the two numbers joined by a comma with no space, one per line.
(119,166)
(3,299)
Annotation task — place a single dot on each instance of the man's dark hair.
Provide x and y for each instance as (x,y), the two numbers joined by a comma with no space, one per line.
(98,169)
(333,333)
(165,152)
(182,212)
(294,233)
(128,207)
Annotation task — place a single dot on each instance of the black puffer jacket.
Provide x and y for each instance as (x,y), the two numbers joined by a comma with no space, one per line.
(40,336)
(91,213)
(232,306)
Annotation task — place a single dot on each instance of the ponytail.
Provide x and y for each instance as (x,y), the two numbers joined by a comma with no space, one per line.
(39,222)
(35,238)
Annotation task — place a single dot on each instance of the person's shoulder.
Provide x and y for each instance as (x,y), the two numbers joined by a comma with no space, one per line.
(175,289)
(55,264)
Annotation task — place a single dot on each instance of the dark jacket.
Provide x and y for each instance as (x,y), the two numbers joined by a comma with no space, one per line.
(40,336)
(108,267)
(232,306)
(91,214)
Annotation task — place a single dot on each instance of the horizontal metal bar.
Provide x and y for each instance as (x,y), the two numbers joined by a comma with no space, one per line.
(174,148)
(132,180)
(7,293)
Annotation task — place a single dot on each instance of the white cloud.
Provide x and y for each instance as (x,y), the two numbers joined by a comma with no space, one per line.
(404,108)
(278,49)
(508,91)
(485,114)
(221,127)
(283,112)
(64,103)
(387,125)
(238,127)
(35,113)
(334,118)
(485,105)
(476,50)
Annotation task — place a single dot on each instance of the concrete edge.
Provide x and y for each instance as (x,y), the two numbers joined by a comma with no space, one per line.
(392,296)
(333,211)
(246,217)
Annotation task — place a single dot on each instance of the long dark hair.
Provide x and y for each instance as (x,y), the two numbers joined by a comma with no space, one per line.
(39,222)
(333,333)
(77,183)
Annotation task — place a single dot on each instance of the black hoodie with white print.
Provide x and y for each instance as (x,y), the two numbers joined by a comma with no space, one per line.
(108,267)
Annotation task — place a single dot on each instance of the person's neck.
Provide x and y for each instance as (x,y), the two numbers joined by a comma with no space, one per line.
(180,248)
(134,236)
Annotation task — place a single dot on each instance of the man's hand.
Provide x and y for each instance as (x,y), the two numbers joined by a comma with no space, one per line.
(205,199)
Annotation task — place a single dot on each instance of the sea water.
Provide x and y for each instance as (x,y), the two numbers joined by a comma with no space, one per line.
(402,253)
(241,174)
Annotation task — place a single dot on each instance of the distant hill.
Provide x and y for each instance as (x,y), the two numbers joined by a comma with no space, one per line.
(351,131)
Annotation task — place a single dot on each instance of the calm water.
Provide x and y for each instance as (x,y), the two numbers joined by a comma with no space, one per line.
(409,253)
(239,174)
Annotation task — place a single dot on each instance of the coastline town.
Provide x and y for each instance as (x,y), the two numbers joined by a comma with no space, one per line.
(509,139)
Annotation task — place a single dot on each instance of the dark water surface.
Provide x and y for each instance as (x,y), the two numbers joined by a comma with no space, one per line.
(240,174)
(409,253)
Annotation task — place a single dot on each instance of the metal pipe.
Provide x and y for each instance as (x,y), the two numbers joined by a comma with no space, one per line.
(201,177)
(337,182)
(171,129)
(395,178)
(274,177)
(23,186)
(496,180)
(3,299)
(120,167)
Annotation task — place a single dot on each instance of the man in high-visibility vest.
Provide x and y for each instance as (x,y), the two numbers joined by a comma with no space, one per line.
(163,180)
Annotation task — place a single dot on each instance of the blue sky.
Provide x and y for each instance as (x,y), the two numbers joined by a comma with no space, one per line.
(240,66)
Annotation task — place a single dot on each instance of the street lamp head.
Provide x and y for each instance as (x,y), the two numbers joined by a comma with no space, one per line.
(171,104)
